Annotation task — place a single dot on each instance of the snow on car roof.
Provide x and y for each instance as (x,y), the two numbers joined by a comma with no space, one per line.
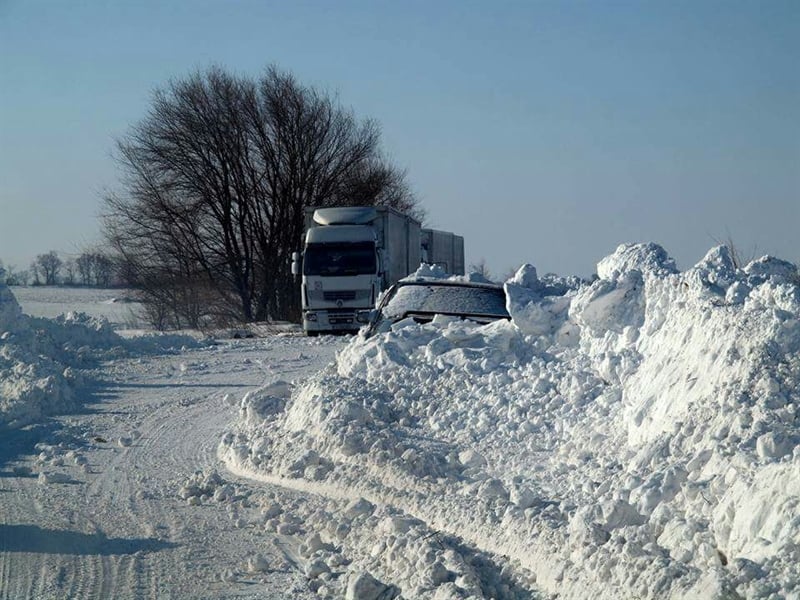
(445,297)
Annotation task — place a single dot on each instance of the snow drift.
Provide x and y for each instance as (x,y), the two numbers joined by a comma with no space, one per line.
(43,361)
(636,435)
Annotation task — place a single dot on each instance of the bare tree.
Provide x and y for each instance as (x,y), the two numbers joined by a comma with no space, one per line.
(49,265)
(34,271)
(216,181)
(84,265)
(70,271)
(15,277)
(104,268)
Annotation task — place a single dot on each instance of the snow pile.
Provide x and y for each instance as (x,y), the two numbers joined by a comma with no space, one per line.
(427,272)
(9,308)
(41,360)
(631,437)
(36,363)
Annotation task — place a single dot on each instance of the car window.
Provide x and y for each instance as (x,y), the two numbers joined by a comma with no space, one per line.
(445,299)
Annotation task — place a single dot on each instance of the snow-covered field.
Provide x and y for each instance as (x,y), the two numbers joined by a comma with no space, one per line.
(632,437)
(117,306)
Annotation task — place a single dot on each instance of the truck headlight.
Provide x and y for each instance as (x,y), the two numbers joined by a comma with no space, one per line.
(363,316)
(311,316)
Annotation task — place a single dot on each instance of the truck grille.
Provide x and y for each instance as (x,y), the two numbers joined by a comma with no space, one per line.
(341,319)
(339,295)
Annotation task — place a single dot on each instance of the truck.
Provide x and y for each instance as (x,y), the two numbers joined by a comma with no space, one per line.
(351,254)
(443,249)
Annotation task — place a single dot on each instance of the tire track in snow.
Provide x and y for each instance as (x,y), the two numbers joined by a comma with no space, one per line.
(129,498)
(167,455)
(4,569)
(26,571)
(482,537)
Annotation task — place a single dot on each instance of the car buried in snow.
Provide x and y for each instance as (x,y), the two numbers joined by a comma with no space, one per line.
(422,300)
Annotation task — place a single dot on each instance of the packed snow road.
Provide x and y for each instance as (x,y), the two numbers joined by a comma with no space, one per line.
(91,502)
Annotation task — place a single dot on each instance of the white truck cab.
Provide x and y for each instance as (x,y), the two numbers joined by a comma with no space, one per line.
(350,254)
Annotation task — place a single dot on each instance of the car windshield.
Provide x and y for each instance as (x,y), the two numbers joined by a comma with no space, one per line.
(447,299)
(356,258)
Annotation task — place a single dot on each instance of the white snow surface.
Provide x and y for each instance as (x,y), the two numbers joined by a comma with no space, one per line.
(110,485)
(41,359)
(635,436)
(118,306)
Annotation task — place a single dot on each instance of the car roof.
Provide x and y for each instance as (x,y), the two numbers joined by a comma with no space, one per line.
(450,283)
(393,291)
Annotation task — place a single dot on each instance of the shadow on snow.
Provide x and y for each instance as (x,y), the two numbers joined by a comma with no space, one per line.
(31,538)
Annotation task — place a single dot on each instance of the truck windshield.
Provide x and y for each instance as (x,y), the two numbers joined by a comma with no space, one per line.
(339,259)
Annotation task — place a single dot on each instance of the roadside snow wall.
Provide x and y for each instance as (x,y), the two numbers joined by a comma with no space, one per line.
(632,437)
(43,361)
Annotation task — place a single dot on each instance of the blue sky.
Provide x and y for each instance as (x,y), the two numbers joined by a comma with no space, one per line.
(544,132)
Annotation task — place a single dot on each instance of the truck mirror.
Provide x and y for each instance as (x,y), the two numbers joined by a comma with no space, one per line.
(295,263)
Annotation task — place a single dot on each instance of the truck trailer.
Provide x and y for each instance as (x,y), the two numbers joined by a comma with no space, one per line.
(443,249)
(351,254)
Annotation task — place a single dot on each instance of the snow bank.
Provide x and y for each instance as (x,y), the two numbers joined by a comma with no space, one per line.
(41,360)
(9,308)
(631,437)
